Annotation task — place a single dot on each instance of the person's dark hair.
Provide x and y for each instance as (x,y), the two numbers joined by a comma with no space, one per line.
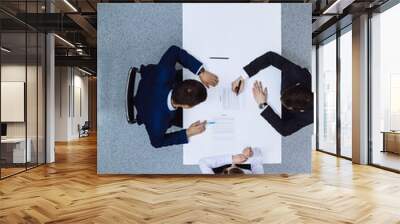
(189,92)
(232,171)
(297,98)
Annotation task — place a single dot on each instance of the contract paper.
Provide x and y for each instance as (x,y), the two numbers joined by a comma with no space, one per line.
(233,36)
(228,99)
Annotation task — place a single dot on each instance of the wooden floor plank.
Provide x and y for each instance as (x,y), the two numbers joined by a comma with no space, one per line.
(70,191)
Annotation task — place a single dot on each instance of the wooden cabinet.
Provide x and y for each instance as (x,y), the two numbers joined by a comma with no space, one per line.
(391,142)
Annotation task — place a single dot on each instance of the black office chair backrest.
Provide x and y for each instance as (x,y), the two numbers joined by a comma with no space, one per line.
(86,125)
(130,96)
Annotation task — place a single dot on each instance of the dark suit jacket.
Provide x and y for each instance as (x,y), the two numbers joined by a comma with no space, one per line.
(151,98)
(292,74)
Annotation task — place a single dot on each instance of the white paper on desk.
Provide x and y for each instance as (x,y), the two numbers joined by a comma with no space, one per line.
(241,32)
(228,99)
(223,128)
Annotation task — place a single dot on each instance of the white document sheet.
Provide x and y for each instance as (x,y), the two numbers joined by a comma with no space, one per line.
(228,99)
(223,128)
(226,37)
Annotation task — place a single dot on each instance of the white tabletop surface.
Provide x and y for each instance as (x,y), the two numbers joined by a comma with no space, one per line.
(240,32)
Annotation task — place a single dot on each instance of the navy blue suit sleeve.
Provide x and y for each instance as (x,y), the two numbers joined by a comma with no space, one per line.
(284,127)
(157,130)
(175,55)
(274,59)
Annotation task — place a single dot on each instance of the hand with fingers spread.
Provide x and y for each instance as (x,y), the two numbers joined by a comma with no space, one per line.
(196,128)
(260,94)
(208,78)
(238,85)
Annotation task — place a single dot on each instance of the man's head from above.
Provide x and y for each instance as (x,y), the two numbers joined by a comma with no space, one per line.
(188,94)
(297,98)
(232,170)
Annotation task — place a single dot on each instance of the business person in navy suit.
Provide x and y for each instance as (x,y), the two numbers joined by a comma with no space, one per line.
(162,95)
(296,96)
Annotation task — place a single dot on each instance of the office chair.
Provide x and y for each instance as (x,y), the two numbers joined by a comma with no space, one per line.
(84,129)
(130,95)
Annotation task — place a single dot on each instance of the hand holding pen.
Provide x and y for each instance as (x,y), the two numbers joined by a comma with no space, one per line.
(238,85)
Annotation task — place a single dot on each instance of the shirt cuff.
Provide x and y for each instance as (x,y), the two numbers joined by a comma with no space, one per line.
(198,71)
(244,75)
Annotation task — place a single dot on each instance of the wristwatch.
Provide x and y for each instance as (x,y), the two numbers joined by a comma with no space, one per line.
(262,105)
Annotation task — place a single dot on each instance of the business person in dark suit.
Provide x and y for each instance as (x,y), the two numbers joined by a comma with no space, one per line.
(296,95)
(162,95)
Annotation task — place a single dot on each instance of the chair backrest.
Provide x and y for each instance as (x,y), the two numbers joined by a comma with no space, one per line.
(130,92)
(86,125)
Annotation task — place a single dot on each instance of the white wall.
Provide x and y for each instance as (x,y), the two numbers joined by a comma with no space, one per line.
(70,83)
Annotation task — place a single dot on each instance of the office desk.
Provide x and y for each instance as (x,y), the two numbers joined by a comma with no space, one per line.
(16,147)
(226,37)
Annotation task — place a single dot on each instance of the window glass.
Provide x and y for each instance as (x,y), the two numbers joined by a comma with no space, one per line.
(346,94)
(327,96)
(385,89)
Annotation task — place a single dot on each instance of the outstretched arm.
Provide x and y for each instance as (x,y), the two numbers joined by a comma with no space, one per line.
(157,128)
(175,55)
(207,164)
(159,140)
(266,60)
(284,127)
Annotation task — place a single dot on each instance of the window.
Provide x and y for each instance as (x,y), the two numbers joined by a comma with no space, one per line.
(346,74)
(327,96)
(334,106)
(385,89)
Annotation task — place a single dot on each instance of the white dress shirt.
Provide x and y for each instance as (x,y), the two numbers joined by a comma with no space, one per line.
(169,101)
(207,164)
(244,75)
(198,70)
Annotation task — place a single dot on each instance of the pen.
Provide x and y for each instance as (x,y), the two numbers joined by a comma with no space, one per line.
(210,122)
(226,58)
(238,87)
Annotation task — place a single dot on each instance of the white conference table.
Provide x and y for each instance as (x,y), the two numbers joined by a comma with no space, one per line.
(226,37)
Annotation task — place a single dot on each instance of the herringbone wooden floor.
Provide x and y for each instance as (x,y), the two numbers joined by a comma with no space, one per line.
(70,191)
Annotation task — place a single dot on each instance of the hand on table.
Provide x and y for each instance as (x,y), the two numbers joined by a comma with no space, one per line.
(196,128)
(208,78)
(238,85)
(260,94)
(248,152)
(239,159)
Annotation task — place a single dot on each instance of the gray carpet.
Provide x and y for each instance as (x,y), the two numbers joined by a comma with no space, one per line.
(134,34)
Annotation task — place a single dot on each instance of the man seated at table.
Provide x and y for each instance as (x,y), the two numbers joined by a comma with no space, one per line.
(296,96)
(162,95)
(229,164)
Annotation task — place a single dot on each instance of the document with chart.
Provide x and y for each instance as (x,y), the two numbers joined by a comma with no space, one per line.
(234,122)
